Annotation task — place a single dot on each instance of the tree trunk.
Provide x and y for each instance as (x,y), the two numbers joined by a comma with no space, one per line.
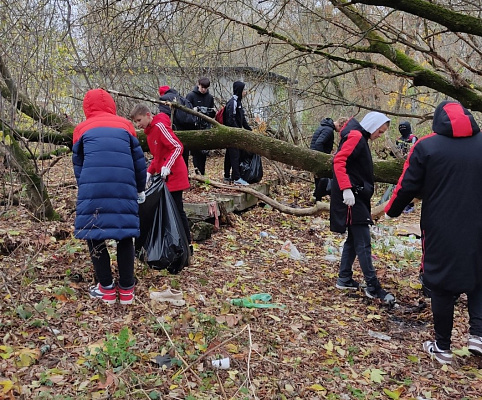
(387,171)
(39,201)
(220,137)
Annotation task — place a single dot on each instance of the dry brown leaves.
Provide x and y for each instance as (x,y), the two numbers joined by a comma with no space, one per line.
(324,343)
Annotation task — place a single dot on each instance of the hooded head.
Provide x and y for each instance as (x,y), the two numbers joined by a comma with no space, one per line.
(454,120)
(405,129)
(238,88)
(373,121)
(98,101)
(163,90)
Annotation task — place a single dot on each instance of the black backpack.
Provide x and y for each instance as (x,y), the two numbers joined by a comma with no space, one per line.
(181,120)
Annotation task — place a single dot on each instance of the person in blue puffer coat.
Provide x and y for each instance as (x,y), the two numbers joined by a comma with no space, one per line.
(110,170)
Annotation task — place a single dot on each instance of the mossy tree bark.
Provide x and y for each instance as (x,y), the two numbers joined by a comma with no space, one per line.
(220,137)
(38,199)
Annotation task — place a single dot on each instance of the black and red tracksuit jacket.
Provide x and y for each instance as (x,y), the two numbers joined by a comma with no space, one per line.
(352,169)
(444,169)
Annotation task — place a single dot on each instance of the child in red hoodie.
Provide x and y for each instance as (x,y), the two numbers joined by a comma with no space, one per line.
(167,150)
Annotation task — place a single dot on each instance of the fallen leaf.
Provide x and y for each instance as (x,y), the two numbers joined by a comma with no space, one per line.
(316,387)
(7,386)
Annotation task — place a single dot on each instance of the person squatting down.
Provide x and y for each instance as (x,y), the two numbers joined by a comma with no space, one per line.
(110,170)
(350,208)
(166,150)
(444,169)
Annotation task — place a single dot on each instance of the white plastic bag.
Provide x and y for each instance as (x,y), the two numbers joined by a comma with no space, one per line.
(291,250)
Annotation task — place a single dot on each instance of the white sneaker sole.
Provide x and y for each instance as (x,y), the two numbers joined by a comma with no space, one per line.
(346,287)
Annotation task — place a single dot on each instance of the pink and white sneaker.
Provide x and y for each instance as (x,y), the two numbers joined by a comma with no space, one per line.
(107,294)
(126,296)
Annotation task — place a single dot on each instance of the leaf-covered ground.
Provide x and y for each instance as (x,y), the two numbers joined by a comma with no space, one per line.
(320,343)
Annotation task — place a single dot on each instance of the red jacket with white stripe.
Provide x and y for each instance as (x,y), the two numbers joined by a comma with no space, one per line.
(167,150)
(444,169)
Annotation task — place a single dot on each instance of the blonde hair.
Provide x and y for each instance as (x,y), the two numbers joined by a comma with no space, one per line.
(139,109)
(340,122)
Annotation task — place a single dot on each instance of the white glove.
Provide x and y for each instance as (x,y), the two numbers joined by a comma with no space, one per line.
(165,172)
(348,197)
(387,217)
(148,179)
(141,197)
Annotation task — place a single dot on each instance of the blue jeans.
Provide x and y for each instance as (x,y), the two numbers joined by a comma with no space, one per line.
(358,244)
(443,315)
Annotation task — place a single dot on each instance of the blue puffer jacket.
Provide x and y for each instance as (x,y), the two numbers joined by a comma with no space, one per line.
(110,169)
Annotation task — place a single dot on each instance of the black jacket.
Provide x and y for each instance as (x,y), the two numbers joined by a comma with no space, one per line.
(352,169)
(443,168)
(324,136)
(199,99)
(170,95)
(233,111)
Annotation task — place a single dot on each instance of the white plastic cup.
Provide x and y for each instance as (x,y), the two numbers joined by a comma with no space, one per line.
(222,363)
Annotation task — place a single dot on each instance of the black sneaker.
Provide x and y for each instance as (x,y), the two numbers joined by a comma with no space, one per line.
(227,181)
(376,292)
(475,345)
(351,284)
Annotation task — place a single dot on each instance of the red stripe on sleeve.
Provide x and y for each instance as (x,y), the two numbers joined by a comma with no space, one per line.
(405,166)
(341,157)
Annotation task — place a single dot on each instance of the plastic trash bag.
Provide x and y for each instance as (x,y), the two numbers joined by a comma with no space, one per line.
(162,243)
(290,250)
(250,167)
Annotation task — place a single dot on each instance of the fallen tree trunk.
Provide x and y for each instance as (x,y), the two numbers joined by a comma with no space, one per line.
(220,137)
(320,207)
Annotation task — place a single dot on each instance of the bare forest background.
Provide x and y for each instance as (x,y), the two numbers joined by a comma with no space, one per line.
(302,60)
(323,58)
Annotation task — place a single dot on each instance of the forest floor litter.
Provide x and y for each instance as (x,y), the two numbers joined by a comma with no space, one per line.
(260,317)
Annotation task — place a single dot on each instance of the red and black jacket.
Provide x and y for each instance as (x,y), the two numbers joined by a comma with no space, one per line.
(352,169)
(444,169)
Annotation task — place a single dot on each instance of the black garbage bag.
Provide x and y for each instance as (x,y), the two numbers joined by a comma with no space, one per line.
(162,243)
(250,167)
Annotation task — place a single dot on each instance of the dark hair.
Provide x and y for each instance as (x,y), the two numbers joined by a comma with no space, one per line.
(204,82)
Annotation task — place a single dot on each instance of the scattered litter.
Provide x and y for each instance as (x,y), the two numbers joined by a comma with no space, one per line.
(173,296)
(239,263)
(263,234)
(222,363)
(251,301)
(320,222)
(162,361)
(332,258)
(291,250)
(379,335)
